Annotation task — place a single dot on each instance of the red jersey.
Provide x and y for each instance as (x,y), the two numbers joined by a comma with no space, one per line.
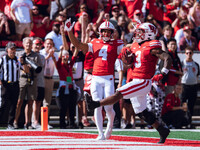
(89,61)
(65,70)
(170,102)
(105,54)
(145,64)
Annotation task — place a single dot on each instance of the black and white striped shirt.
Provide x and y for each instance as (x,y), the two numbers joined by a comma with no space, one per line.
(10,69)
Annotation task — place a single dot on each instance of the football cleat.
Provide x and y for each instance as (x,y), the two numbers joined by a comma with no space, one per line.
(91,105)
(164,132)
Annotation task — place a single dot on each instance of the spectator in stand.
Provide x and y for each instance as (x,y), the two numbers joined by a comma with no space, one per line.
(91,7)
(28,84)
(129,36)
(80,26)
(78,79)
(128,7)
(21,12)
(167,35)
(189,80)
(171,11)
(4,27)
(188,40)
(55,35)
(40,24)
(67,89)
(7,9)
(179,34)
(10,68)
(44,6)
(68,7)
(138,17)
(173,114)
(181,15)
(159,6)
(175,71)
(11,23)
(37,46)
(194,17)
(122,27)
(50,58)
(61,18)
(115,15)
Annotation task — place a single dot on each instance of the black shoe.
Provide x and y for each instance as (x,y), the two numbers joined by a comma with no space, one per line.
(91,105)
(28,126)
(128,126)
(80,125)
(164,132)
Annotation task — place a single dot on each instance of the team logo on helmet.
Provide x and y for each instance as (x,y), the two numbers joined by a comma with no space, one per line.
(145,31)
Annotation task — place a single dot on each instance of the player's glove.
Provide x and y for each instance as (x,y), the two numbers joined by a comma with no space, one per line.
(68,25)
(157,78)
(91,105)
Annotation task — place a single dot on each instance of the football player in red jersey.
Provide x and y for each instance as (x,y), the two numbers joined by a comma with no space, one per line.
(105,51)
(146,51)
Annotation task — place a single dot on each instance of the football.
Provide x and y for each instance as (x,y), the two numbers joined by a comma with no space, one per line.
(127,56)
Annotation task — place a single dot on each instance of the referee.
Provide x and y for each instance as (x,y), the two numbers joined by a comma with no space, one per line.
(9,68)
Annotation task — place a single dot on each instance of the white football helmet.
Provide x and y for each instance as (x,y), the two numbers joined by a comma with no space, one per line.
(109,26)
(145,31)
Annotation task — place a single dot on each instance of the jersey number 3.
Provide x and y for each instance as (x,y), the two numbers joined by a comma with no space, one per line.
(103,52)
(138,59)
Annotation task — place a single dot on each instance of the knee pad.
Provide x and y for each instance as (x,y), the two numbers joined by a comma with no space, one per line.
(147,116)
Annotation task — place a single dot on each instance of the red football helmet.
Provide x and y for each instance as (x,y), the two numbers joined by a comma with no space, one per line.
(145,31)
(108,26)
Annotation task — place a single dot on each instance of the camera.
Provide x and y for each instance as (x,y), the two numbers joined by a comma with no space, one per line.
(26,60)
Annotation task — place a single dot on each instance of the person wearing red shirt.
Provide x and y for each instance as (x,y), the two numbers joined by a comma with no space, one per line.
(67,88)
(105,51)
(172,112)
(171,11)
(131,6)
(175,71)
(40,24)
(146,52)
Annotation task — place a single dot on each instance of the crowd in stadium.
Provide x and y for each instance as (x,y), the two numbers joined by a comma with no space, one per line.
(39,26)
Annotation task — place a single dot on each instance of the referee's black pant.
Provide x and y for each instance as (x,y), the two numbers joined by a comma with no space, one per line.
(9,98)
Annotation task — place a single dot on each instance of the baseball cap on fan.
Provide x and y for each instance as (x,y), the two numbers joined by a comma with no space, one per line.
(115,8)
(37,41)
(186,28)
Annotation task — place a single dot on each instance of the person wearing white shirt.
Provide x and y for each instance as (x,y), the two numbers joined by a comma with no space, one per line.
(55,35)
(50,58)
(21,12)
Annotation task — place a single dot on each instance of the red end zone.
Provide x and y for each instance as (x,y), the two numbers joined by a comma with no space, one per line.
(43,139)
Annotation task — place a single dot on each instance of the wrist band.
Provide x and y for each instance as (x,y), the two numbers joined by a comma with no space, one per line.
(165,70)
